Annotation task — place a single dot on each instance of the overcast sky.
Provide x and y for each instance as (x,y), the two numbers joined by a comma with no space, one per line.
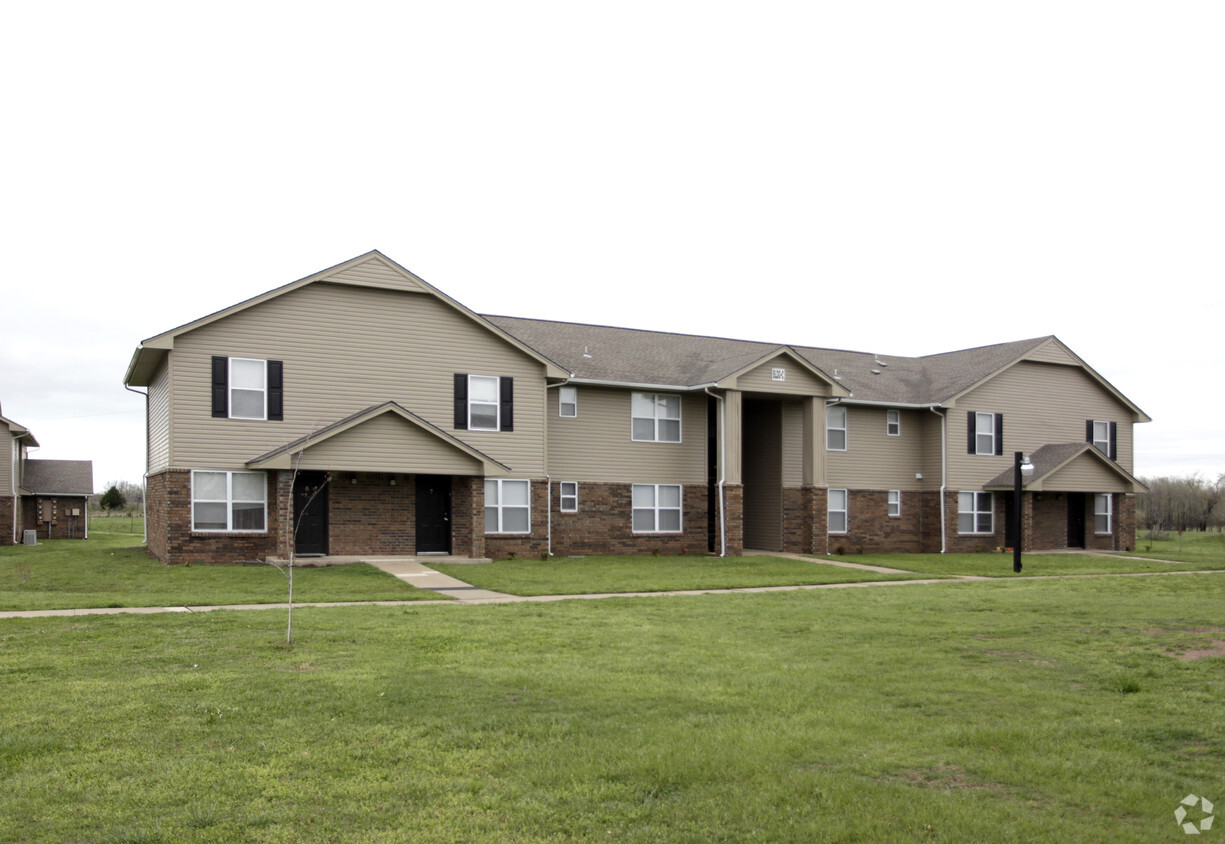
(895,177)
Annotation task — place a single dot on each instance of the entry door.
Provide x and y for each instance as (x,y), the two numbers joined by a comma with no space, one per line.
(433,514)
(1076,520)
(310,513)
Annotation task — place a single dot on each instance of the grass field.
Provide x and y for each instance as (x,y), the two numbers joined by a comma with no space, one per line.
(1009,710)
(585,575)
(110,570)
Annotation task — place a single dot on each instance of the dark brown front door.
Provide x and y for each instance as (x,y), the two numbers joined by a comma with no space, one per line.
(433,514)
(1076,520)
(310,513)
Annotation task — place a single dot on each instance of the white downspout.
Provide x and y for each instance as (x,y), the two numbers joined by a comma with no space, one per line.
(548,479)
(722,471)
(944,475)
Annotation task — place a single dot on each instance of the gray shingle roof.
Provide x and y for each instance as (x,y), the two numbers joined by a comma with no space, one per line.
(59,477)
(625,355)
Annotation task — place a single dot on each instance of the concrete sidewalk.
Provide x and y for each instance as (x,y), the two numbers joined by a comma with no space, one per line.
(412,570)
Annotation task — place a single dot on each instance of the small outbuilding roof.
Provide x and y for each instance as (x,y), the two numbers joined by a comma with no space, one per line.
(58,477)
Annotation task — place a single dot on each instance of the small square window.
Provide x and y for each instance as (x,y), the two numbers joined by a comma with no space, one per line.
(893,423)
(895,502)
(569,496)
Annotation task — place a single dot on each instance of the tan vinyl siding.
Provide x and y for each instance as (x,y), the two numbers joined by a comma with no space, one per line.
(596,445)
(159,421)
(793,444)
(1052,352)
(798,380)
(346,349)
(375,273)
(8,458)
(389,443)
(1085,474)
(1042,404)
(874,460)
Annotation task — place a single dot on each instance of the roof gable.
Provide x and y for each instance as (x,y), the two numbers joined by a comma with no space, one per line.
(1069,467)
(58,477)
(370,270)
(382,438)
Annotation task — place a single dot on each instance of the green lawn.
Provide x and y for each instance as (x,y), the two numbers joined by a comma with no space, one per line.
(1002,711)
(586,575)
(1033,565)
(1191,547)
(108,570)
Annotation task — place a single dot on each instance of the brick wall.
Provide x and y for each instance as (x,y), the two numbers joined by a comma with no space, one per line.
(7,503)
(172,541)
(603,523)
(51,517)
(371,513)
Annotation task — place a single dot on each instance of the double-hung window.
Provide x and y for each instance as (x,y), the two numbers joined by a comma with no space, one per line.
(567,402)
(1103,436)
(508,506)
(975,512)
(484,402)
(839,517)
(656,508)
(656,417)
(835,428)
(248,388)
(986,433)
(569,496)
(895,502)
(893,423)
(1103,510)
(229,501)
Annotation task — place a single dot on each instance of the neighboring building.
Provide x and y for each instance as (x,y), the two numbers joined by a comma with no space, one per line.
(361,411)
(47,496)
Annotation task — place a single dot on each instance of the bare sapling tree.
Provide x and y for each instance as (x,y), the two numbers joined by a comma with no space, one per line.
(291,537)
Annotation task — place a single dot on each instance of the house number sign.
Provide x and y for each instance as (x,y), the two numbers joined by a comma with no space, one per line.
(778,373)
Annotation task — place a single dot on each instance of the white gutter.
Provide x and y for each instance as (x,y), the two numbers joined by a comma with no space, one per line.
(944,475)
(722,470)
(677,388)
(144,478)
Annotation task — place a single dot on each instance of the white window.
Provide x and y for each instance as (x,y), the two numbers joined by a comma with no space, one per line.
(248,388)
(895,502)
(657,508)
(508,506)
(656,417)
(483,408)
(975,512)
(835,428)
(984,433)
(1103,510)
(1101,437)
(567,402)
(229,501)
(839,519)
(569,496)
(893,423)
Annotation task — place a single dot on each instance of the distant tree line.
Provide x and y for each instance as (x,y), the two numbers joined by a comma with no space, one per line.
(1189,503)
(119,495)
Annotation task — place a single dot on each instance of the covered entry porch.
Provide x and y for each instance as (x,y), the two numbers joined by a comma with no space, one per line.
(380,482)
(1076,498)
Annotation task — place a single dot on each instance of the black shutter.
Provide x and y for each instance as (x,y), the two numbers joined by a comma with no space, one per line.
(221,387)
(972,446)
(999,433)
(1114,440)
(506,397)
(1089,431)
(461,401)
(276,390)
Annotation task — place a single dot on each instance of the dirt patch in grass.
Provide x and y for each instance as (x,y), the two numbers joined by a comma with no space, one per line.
(946,777)
(1215,648)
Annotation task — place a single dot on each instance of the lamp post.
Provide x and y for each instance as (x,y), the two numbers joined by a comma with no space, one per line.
(1021,466)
